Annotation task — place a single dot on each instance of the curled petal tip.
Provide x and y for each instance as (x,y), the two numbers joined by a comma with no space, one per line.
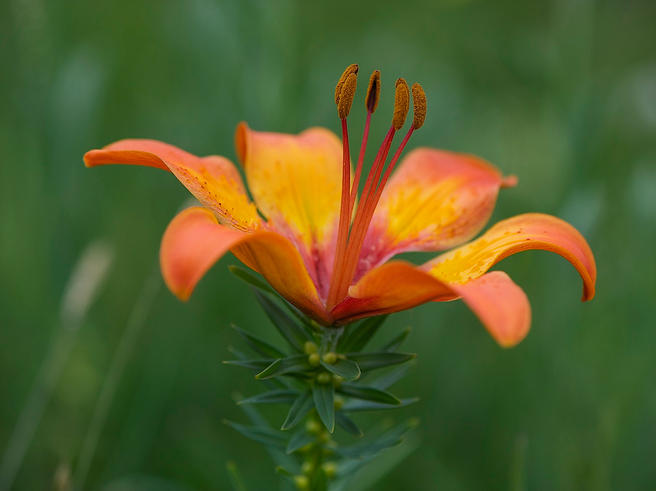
(509,181)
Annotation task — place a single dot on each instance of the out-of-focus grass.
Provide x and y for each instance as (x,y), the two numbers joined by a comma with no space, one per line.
(560,93)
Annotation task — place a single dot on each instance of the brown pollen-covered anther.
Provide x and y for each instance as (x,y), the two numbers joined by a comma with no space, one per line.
(373,91)
(419,105)
(401,103)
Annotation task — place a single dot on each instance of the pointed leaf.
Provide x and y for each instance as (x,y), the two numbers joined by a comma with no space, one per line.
(388,439)
(235,477)
(281,366)
(261,434)
(394,343)
(372,361)
(368,394)
(294,334)
(299,440)
(348,424)
(324,402)
(254,364)
(360,405)
(390,378)
(277,396)
(258,345)
(357,337)
(347,369)
(297,412)
(251,278)
(283,472)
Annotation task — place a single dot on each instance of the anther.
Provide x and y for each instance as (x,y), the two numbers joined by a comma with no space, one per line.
(346,96)
(419,103)
(338,88)
(373,91)
(401,103)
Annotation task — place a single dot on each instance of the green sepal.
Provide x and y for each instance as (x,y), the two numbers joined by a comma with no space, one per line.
(361,405)
(348,424)
(258,345)
(282,366)
(252,279)
(356,337)
(324,402)
(388,439)
(381,359)
(293,333)
(277,396)
(298,440)
(261,434)
(394,343)
(368,394)
(347,369)
(297,412)
(253,364)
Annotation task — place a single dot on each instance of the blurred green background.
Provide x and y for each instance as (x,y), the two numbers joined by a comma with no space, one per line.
(561,93)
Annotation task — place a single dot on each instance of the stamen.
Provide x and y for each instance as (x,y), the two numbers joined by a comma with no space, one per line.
(401,104)
(344,93)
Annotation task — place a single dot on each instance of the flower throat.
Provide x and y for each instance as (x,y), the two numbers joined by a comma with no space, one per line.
(350,237)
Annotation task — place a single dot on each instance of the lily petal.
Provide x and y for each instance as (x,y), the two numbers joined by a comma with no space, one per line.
(296,183)
(499,303)
(516,234)
(194,241)
(435,200)
(213,180)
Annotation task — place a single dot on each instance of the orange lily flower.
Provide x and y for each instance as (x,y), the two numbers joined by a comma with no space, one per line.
(328,253)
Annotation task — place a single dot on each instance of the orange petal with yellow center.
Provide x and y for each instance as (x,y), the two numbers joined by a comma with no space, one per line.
(499,303)
(213,180)
(435,200)
(296,182)
(516,234)
(194,241)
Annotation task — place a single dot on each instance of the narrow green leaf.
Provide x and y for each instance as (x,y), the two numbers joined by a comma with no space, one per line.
(254,364)
(356,337)
(294,334)
(347,369)
(277,396)
(372,361)
(281,366)
(394,343)
(360,405)
(389,378)
(258,345)
(348,424)
(298,440)
(368,394)
(235,477)
(297,412)
(261,434)
(251,278)
(324,402)
(388,439)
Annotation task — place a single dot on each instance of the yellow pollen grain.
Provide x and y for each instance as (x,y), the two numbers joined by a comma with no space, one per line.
(353,68)
(373,91)
(419,102)
(401,103)
(346,96)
